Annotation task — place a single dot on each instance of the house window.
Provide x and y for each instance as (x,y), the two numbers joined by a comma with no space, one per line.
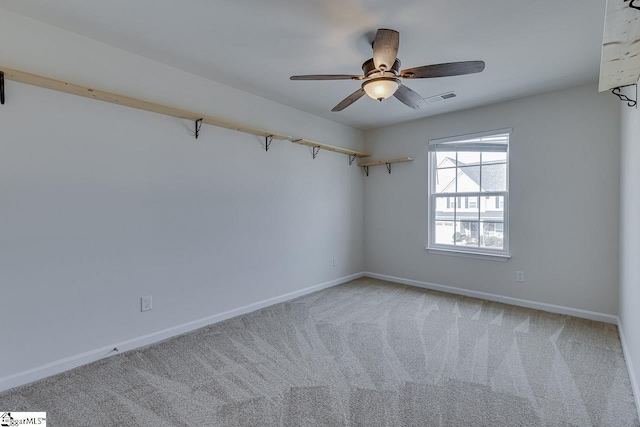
(473,170)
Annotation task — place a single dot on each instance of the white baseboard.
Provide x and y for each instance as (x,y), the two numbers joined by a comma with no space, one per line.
(62,365)
(632,373)
(576,312)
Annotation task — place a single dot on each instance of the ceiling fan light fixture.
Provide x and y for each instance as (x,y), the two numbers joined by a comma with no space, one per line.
(381,88)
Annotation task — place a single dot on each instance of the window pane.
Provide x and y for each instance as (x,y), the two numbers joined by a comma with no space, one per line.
(468,157)
(445,180)
(444,232)
(469,179)
(465,212)
(473,203)
(445,159)
(492,157)
(467,233)
(494,177)
(444,207)
(492,235)
(492,208)
(469,183)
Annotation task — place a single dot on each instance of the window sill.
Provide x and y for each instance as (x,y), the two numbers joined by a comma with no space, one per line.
(468,254)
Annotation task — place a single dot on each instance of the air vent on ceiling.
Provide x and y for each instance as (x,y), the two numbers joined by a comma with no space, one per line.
(441,97)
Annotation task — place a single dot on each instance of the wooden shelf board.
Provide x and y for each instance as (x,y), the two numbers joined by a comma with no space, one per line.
(87,92)
(384,162)
(32,79)
(620,60)
(340,150)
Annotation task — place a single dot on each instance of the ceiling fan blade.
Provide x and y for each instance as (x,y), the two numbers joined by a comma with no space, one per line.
(443,70)
(385,48)
(327,77)
(349,100)
(410,97)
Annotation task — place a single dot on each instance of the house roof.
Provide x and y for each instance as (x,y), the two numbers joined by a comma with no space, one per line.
(493,173)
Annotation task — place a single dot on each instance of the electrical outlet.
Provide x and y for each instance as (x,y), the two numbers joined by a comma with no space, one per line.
(520,276)
(146,303)
(335,261)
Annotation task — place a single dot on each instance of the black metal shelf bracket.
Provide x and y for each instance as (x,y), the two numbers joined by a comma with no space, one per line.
(366,170)
(388,167)
(316,150)
(2,87)
(198,126)
(630,102)
(352,157)
(267,142)
(632,4)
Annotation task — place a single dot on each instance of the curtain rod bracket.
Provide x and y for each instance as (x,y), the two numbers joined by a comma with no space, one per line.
(632,5)
(316,150)
(198,127)
(2,87)
(630,102)
(388,167)
(267,142)
(366,170)
(352,157)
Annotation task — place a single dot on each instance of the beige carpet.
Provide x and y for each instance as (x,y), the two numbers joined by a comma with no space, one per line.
(367,353)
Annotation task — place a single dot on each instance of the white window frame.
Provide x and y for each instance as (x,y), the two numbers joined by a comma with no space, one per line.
(474,252)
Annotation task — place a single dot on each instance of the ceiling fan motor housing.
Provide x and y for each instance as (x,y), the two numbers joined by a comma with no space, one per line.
(369,68)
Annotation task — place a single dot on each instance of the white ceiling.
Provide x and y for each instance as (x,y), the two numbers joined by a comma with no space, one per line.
(255,45)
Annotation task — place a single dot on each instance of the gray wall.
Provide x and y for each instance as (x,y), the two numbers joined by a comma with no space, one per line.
(102,204)
(564,201)
(630,236)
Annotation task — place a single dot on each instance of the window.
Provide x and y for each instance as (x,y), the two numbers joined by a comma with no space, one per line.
(469,193)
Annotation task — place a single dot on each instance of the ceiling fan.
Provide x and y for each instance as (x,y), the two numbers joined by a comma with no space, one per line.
(382,73)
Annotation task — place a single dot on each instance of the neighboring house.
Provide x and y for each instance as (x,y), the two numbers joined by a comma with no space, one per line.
(478,217)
